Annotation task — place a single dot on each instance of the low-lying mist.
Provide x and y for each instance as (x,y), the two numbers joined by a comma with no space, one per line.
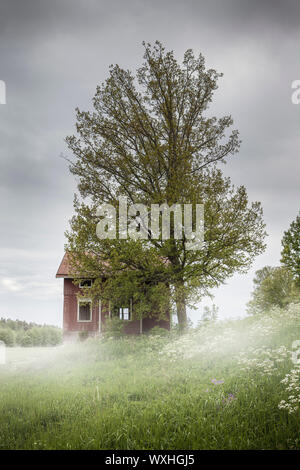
(230,384)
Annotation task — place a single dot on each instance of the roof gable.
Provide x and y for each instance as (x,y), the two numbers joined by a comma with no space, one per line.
(64,267)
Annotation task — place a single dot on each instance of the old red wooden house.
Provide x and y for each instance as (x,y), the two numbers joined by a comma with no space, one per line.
(85,314)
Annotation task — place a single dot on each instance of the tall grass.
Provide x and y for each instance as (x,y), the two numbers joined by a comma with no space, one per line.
(221,386)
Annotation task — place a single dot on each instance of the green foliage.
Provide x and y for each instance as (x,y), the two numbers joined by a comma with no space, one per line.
(30,334)
(274,286)
(217,387)
(26,340)
(147,299)
(158,331)
(290,255)
(111,348)
(262,274)
(114,327)
(53,336)
(149,138)
(16,325)
(20,336)
(41,336)
(7,336)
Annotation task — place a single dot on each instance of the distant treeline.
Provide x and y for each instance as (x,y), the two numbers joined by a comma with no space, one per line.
(21,333)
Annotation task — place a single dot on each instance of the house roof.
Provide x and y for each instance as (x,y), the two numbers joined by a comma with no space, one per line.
(65,271)
(64,267)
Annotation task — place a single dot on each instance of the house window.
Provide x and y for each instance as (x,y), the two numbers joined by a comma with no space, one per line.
(84,310)
(124,313)
(85,283)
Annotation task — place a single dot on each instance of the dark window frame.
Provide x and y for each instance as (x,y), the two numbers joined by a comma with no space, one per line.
(83,282)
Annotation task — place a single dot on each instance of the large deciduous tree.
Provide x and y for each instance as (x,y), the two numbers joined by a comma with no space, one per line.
(150,139)
(273,288)
(290,254)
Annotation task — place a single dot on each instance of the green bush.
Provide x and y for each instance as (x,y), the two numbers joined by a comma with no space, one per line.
(158,331)
(41,336)
(20,337)
(52,335)
(114,328)
(26,339)
(28,334)
(7,336)
(274,287)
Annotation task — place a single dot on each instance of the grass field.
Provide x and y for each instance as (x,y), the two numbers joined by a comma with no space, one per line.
(230,385)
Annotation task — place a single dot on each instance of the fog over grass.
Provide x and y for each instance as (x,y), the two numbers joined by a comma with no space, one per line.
(236,385)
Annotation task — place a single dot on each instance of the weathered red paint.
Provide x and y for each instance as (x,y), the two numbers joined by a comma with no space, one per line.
(71,325)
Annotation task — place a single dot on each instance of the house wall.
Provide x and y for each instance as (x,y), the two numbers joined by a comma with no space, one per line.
(71,326)
(149,323)
(133,327)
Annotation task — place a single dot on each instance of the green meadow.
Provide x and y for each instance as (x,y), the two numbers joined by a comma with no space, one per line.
(224,385)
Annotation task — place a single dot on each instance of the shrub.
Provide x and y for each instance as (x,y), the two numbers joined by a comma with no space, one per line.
(26,339)
(158,331)
(274,287)
(20,337)
(114,327)
(7,336)
(41,336)
(52,335)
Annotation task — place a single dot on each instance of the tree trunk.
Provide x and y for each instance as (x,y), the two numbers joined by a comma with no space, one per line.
(181,306)
(181,314)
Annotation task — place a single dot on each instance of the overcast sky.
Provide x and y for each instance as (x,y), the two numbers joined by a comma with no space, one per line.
(52,56)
